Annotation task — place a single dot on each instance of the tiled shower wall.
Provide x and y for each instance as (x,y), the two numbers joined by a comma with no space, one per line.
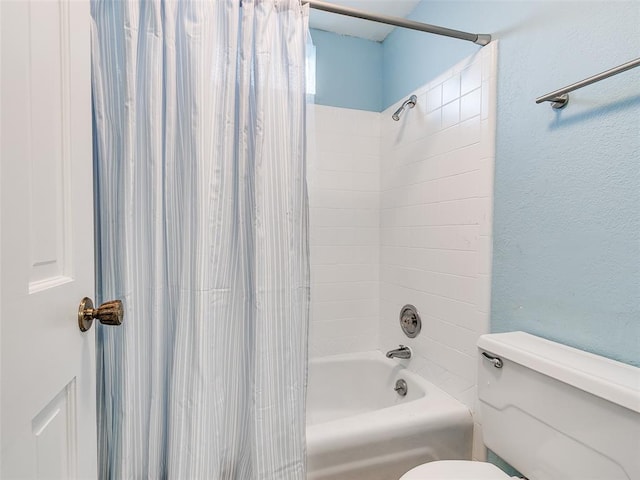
(436,216)
(401,213)
(343,179)
(436,213)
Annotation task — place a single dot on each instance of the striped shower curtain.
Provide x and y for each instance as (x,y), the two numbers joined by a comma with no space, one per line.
(202,232)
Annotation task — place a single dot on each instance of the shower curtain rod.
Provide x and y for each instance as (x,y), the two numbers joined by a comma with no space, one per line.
(477,38)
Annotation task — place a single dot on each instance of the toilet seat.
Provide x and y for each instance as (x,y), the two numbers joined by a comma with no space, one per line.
(455,470)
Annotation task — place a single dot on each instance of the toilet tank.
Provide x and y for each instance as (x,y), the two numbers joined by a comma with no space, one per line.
(558,413)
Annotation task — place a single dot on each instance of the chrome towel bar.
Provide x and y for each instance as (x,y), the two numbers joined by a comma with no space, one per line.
(560,98)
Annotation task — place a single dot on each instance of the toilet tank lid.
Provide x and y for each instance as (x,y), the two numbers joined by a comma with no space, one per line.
(614,381)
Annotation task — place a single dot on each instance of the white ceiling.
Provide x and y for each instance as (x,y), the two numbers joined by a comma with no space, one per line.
(355,27)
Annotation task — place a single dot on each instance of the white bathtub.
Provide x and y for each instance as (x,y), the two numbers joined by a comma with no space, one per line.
(359,428)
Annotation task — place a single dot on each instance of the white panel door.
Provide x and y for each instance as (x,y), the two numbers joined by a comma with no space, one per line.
(48,424)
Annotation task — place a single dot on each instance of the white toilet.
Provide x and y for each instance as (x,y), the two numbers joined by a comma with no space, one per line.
(551,411)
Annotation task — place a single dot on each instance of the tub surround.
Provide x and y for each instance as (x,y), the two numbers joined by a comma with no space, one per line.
(343,179)
(420,235)
(436,223)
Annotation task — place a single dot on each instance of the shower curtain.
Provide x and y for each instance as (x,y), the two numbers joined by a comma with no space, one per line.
(202,232)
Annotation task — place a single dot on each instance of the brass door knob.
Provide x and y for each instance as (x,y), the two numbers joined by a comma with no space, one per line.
(109,313)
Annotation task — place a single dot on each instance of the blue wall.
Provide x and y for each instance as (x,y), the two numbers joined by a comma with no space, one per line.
(348,71)
(567,185)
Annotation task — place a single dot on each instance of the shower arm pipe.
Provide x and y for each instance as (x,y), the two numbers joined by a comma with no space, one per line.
(477,38)
(560,97)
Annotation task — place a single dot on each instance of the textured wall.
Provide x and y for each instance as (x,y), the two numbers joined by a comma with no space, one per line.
(348,71)
(567,184)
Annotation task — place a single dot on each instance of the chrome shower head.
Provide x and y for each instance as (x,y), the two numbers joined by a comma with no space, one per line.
(410,103)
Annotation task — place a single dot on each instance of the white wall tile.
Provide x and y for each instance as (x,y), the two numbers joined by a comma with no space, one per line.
(471,77)
(471,104)
(486,215)
(456,187)
(344,199)
(464,211)
(451,89)
(347,255)
(343,236)
(469,132)
(484,255)
(434,98)
(345,291)
(451,114)
(344,161)
(345,273)
(440,259)
(355,181)
(329,198)
(337,310)
(344,217)
(458,161)
(433,121)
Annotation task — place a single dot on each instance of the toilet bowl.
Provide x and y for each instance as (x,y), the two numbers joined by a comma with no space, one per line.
(456,470)
(551,411)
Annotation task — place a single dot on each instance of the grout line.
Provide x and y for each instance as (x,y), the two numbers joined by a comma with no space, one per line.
(415,269)
(434,294)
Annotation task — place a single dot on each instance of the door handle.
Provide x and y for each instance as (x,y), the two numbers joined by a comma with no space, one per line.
(109,313)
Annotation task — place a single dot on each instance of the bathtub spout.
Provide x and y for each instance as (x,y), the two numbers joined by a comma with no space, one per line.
(401,352)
